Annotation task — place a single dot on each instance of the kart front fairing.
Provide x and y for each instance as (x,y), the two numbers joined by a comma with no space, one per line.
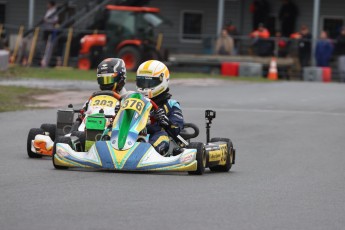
(122,151)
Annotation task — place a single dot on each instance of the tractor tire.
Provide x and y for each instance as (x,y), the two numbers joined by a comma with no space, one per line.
(200,157)
(65,140)
(229,157)
(81,136)
(51,129)
(31,136)
(131,56)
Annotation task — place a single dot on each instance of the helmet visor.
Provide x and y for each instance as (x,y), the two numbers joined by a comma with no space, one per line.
(106,79)
(147,82)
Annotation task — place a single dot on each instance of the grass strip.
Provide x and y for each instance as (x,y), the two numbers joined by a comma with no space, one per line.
(90,75)
(13,98)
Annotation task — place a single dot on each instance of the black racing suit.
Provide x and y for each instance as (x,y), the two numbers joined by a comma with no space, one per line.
(159,138)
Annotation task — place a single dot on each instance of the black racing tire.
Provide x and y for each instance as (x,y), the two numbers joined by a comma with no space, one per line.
(229,157)
(81,136)
(200,157)
(31,136)
(131,56)
(65,140)
(51,129)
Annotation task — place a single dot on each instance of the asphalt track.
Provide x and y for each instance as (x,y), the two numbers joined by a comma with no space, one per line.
(289,171)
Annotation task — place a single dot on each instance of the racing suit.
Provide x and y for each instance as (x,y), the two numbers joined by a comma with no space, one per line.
(159,138)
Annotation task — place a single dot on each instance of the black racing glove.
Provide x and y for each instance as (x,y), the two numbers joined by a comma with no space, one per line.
(162,118)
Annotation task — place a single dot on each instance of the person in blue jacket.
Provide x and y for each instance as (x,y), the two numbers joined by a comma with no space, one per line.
(152,81)
(324,50)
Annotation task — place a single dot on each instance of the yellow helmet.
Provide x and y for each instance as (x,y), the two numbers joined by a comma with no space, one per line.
(152,78)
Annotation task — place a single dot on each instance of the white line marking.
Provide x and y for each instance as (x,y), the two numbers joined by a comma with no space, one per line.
(270,111)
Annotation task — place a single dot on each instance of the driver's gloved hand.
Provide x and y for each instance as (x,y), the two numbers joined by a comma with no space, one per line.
(161,118)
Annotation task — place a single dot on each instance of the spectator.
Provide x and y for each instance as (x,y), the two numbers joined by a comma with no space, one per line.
(261,32)
(260,10)
(304,45)
(224,44)
(232,31)
(340,51)
(324,50)
(288,15)
(49,20)
(262,46)
(281,45)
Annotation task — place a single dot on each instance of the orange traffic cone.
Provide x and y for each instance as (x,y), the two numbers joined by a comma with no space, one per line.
(273,72)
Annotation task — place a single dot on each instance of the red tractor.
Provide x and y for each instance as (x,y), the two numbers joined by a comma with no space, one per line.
(129,34)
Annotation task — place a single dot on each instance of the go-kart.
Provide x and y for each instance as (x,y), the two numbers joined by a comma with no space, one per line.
(41,140)
(124,145)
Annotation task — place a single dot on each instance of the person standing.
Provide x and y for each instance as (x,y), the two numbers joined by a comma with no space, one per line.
(324,50)
(288,15)
(261,44)
(50,19)
(304,46)
(340,51)
(224,44)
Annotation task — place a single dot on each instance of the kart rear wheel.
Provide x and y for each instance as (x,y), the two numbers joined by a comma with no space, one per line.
(81,137)
(31,136)
(229,157)
(200,157)
(65,140)
(51,129)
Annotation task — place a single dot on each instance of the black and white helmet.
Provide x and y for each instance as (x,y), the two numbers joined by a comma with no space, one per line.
(111,74)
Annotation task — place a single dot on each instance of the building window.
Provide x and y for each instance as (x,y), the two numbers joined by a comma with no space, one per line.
(191,26)
(2,12)
(332,25)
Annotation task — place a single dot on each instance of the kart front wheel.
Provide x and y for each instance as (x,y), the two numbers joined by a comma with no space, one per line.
(65,140)
(229,157)
(200,157)
(31,136)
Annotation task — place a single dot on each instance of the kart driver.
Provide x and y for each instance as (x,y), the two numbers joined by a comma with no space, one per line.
(152,81)
(111,75)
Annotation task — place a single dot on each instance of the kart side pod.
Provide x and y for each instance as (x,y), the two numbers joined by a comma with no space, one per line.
(216,154)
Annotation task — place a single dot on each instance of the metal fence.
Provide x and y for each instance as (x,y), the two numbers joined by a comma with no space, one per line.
(31,49)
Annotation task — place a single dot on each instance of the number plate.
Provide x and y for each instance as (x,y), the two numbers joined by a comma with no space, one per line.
(134,104)
(103,101)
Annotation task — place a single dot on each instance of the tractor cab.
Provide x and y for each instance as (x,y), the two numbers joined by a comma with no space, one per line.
(128,34)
